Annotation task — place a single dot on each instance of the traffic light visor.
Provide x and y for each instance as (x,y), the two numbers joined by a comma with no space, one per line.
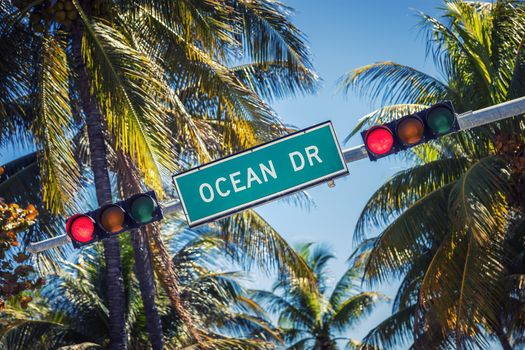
(142,208)
(379,140)
(441,119)
(81,228)
(111,218)
(410,130)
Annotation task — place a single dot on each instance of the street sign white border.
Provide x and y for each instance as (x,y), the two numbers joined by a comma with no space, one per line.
(231,211)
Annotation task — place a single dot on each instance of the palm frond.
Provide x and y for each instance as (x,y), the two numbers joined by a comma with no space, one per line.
(128,88)
(27,334)
(275,80)
(53,127)
(284,308)
(409,289)
(205,22)
(394,83)
(506,35)
(352,310)
(394,331)
(346,285)
(457,58)
(517,84)
(195,68)
(16,71)
(300,199)
(404,189)
(260,242)
(407,237)
(478,202)
(268,34)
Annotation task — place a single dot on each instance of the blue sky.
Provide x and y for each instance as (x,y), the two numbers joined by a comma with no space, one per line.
(343,35)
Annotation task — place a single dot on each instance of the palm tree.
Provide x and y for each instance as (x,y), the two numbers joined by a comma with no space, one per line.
(254,248)
(147,79)
(72,309)
(452,223)
(317,318)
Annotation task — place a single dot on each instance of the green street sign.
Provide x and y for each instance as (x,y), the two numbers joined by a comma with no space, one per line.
(277,168)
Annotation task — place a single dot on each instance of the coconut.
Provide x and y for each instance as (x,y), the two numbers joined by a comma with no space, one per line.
(39,28)
(18,3)
(72,15)
(46,13)
(34,18)
(60,16)
(67,23)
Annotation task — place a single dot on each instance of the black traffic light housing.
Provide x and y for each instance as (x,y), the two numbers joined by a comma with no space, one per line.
(410,130)
(111,219)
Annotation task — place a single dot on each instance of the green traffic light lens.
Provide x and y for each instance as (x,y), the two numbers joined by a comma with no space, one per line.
(441,120)
(142,209)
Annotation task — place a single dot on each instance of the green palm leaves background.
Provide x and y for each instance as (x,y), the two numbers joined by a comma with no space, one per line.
(116,99)
(318,318)
(452,222)
(72,308)
(144,88)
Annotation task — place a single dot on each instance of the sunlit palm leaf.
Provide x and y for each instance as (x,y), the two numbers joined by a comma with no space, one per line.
(396,330)
(260,242)
(15,74)
(53,127)
(195,68)
(353,309)
(275,80)
(395,83)
(347,284)
(404,189)
(268,33)
(128,96)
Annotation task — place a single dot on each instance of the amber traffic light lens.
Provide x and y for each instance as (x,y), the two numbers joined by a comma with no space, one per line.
(441,120)
(81,228)
(112,218)
(379,140)
(410,130)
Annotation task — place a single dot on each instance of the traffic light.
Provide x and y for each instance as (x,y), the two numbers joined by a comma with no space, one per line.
(112,219)
(411,130)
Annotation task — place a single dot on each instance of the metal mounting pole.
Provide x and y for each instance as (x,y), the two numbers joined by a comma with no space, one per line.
(466,121)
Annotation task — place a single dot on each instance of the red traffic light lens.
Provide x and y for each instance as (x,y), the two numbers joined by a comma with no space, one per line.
(441,119)
(379,140)
(142,208)
(111,218)
(410,130)
(81,228)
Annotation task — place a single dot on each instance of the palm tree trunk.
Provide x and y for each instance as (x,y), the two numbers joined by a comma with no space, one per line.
(130,185)
(149,236)
(160,258)
(503,339)
(168,278)
(144,272)
(323,343)
(505,343)
(97,148)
